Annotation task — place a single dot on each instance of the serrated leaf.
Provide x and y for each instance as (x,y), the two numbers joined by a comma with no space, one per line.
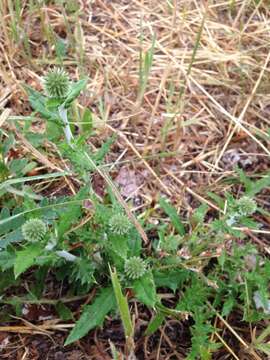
(154,324)
(174,217)
(105,148)
(228,306)
(72,213)
(74,92)
(26,258)
(171,279)
(145,289)
(38,103)
(119,245)
(93,315)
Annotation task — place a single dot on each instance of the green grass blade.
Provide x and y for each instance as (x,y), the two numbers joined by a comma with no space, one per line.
(122,305)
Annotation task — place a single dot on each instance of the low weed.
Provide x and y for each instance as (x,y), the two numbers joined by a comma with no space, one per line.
(207,262)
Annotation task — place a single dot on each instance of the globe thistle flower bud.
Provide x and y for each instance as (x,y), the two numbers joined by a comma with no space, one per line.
(56,83)
(135,267)
(246,206)
(119,224)
(34,230)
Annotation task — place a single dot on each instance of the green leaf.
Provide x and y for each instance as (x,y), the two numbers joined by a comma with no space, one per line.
(7,279)
(54,130)
(259,185)
(4,171)
(32,178)
(93,315)
(217,199)
(7,260)
(122,305)
(228,306)
(74,92)
(87,121)
(172,213)
(154,324)
(171,278)
(105,148)
(26,258)
(72,213)
(199,214)
(119,245)
(245,180)
(63,311)
(264,348)
(53,104)
(145,289)
(38,103)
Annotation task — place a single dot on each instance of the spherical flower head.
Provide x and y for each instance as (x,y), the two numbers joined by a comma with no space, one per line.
(56,83)
(135,267)
(34,230)
(246,206)
(119,224)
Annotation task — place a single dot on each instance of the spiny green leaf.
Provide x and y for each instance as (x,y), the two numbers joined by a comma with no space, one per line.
(103,151)
(93,315)
(38,103)
(172,213)
(171,278)
(145,289)
(26,258)
(74,92)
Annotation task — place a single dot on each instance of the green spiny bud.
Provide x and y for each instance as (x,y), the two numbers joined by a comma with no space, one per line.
(246,206)
(119,224)
(56,83)
(34,230)
(135,267)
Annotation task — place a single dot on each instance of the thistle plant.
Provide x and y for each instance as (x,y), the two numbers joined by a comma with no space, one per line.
(135,267)
(119,224)
(246,206)
(34,230)
(56,83)
(171,243)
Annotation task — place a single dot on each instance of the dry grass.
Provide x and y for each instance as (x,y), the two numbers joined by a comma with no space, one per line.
(205,107)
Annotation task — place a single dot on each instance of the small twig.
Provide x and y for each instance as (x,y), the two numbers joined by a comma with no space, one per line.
(42,301)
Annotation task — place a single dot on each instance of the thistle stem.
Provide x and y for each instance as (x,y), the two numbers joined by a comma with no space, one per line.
(66,255)
(63,115)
